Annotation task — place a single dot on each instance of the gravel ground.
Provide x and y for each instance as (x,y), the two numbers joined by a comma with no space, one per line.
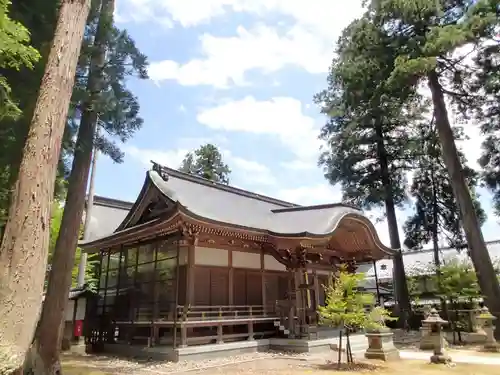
(410,341)
(262,363)
(113,365)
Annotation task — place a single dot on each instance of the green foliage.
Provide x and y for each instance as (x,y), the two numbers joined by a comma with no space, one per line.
(346,306)
(414,286)
(206,162)
(39,17)
(361,134)
(429,31)
(434,199)
(15,53)
(454,280)
(116,106)
(486,82)
(457,280)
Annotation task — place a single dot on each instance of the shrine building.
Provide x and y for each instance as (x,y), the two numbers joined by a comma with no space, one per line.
(195,263)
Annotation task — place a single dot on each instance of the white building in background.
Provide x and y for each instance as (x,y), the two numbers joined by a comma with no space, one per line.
(415,261)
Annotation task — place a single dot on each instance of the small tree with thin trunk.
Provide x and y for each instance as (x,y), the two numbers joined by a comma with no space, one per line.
(346,307)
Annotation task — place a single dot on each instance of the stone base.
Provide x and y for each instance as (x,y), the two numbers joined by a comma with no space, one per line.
(474,337)
(381,346)
(165,353)
(492,347)
(440,358)
(383,355)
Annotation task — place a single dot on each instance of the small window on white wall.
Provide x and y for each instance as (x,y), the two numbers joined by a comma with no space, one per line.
(383,267)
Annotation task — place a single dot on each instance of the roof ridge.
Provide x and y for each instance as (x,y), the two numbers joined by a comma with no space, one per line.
(430,249)
(111,202)
(314,207)
(230,189)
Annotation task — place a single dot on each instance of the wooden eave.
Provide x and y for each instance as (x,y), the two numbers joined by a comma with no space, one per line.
(321,242)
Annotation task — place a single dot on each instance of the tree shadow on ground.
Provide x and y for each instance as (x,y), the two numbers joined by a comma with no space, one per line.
(78,370)
(344,367)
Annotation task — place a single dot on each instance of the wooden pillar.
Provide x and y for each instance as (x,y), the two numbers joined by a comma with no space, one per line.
(316,288)
(263,279)
(376,283)
(292,297)
(299,298)
(183,336)
(155,332)
(75,309)
(190,275)
(220,334)
(230,279)
(190,285)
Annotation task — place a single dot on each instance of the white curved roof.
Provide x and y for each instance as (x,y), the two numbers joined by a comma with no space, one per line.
(228,205)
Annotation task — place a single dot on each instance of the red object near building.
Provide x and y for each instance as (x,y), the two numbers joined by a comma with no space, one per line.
(78,328)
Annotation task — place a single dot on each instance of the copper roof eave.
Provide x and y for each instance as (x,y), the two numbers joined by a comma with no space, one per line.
(373,233)
(128,234)
(132,233)
(303,235)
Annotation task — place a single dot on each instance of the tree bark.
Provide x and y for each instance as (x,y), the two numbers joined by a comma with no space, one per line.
(23,253)
(48,340)
(477,248)
(400,287)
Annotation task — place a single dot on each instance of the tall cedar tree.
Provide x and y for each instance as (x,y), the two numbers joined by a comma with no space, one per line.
(40,18)
(206,162)
(25,243)
(436,212)
(367,132)
(113,57)
(427,34)
(486,83)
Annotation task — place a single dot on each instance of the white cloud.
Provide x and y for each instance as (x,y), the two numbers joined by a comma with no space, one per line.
(325,17)
(281,117)
(170,158)
(311,195)
(225,60)
(306,42)
(249,172)
(300,165)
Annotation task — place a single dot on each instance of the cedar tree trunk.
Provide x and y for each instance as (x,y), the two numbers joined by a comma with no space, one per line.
(477,248)
(48,340)
(400,287)
(24,248)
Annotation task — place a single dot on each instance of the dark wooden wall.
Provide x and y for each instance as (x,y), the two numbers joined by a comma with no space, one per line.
(211,286)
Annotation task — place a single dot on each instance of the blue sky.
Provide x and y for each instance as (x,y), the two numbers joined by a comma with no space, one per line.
(240,74)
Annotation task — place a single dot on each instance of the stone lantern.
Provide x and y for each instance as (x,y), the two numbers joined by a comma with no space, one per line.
(435,334)
(486,320)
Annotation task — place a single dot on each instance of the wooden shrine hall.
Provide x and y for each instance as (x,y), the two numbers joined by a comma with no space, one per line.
(196,262)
